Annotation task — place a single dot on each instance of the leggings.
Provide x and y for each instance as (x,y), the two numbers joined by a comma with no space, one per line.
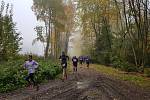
(31,77)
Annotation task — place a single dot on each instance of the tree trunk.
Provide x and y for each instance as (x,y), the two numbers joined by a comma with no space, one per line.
(48,37)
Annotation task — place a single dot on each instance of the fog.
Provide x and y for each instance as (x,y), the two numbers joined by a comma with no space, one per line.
(25,22)
(75,44)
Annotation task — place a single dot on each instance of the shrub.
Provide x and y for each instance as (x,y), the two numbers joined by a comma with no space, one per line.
(123,65)
(13,77)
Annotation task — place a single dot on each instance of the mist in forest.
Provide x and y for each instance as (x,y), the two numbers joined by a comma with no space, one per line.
(75,44)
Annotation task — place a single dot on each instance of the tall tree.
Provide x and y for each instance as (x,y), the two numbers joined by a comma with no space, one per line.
(55,15)
(9,38)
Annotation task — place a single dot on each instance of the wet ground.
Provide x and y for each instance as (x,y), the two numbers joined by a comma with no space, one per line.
(86,84)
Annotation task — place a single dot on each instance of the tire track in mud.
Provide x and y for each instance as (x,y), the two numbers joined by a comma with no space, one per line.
(53,91)
(120,90)
(110,89)
(27,95)
(65,91)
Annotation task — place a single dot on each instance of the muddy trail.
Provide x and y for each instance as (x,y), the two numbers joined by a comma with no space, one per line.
(86,84)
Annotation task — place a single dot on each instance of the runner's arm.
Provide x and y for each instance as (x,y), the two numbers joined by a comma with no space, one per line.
(24,65)
(36,64)
(60,57)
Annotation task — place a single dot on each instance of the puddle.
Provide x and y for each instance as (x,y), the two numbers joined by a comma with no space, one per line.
(83,85)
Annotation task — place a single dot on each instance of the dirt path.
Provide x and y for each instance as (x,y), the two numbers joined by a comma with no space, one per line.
(87,84)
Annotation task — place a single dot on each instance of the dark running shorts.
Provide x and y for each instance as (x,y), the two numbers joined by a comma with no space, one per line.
(64,65)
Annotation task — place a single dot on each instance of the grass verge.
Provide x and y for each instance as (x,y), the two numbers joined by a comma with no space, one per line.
(137,79)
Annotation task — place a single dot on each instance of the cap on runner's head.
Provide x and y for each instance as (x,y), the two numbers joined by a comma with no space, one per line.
(30,57)
(63,53)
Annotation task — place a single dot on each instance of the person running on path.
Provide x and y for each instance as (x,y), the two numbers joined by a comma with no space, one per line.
(87,60)
(75,63)
(31,66)
(84,59)
(81,60)
(64,59)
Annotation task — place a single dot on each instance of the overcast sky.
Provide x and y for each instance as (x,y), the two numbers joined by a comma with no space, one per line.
(26,21)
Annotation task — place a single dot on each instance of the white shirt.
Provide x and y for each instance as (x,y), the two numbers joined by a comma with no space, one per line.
(31,66)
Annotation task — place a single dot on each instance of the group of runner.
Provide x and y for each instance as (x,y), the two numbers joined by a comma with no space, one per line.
(32,66)
(84,59)
(81,60)
(64,58)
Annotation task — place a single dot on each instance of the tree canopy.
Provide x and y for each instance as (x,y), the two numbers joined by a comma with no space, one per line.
(58,18)
(119,30)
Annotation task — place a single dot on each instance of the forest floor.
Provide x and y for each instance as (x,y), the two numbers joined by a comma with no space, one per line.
(86,84)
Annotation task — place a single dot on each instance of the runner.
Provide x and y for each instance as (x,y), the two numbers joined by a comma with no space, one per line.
(84,59)
(81,60)
(87,60)
(64,59)
(31,66)
(75,63)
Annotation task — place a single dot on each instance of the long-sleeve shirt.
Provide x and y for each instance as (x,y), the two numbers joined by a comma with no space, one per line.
(31,66)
